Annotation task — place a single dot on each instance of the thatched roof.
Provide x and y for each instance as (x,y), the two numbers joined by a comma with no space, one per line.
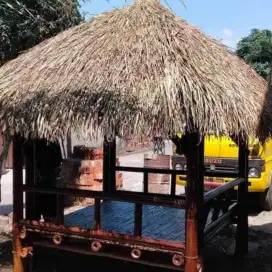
(128,69)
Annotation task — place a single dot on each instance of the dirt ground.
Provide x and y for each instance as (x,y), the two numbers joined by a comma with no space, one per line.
(218,254)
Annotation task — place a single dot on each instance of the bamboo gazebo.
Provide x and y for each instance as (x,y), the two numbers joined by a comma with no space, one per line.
(121,74)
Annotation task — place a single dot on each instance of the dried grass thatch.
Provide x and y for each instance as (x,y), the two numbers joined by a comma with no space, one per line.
(127,70)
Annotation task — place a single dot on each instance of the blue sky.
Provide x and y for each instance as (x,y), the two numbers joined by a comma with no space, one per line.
(228,20)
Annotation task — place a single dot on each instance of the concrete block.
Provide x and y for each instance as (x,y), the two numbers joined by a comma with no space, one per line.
(4,220)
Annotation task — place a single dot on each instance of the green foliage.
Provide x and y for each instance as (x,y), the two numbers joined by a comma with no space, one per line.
(256,50)
(25,23)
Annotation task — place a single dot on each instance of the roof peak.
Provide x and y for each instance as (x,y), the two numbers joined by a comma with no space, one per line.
(145,1)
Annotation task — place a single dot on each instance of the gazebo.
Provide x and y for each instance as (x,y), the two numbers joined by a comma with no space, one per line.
(121,74)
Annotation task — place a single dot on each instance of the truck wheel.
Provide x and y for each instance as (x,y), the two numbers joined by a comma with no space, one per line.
(266,199)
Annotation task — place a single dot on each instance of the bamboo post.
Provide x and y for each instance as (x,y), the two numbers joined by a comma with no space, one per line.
(112,165)
(97,213)
(60,210)
(106,159)
(30,178)
(200,194)
(242,224)
(145,189)
(138,215)
(17,202)
(194,199)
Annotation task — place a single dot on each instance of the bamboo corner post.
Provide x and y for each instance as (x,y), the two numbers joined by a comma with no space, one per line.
(194,200)
(201,208)
(17,202)
(48,160)
(242,224)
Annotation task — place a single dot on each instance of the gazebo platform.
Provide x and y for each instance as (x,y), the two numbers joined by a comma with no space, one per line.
(158,222)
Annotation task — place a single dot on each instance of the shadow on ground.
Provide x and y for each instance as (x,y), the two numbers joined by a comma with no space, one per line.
(219,255)
(5,253)
(76,263)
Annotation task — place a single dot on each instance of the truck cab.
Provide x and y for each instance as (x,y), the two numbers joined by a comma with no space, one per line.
(221,155)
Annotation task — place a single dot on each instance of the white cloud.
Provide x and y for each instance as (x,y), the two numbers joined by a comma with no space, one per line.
(228,38)
(227,32)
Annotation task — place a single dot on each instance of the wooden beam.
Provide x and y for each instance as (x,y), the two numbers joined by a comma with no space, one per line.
(97,213)
(138,220)
(173,184)
(194,198)
(242,224)
(125,196)
(113,237)
(223,218)
(17,202)
(149,170)
(207,173)
(60,210)
(145,182)
(223,189)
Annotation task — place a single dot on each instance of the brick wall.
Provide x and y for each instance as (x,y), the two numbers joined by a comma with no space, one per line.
(85,171)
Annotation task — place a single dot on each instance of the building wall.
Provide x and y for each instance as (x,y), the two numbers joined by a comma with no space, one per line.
(9,158)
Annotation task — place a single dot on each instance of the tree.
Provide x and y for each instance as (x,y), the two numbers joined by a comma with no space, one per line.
(25,23)
(256,50)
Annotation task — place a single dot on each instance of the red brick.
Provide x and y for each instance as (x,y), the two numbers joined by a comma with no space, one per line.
(96,163)
(98,151)
(97,187)
(98,157)
(83,187)
(86,179)
(98,173)
(85,170)
(119,175)
(158,183)
(119,184)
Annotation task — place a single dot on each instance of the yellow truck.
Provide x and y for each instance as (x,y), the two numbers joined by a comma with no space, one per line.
(221,155)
